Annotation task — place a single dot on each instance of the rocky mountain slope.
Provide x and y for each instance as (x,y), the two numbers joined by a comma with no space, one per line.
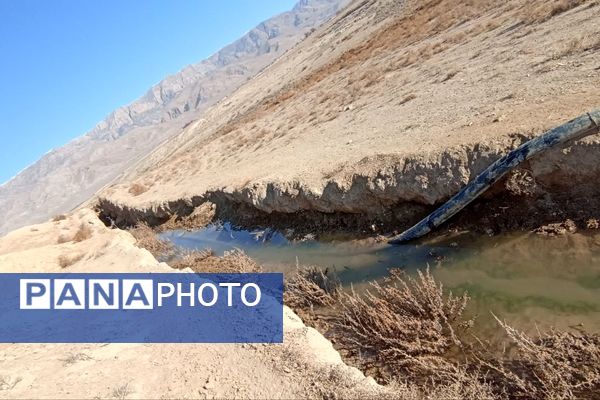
(386,110)
(67,176)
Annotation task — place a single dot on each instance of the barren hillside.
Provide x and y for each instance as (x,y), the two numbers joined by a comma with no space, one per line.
(389,108)
(67,176)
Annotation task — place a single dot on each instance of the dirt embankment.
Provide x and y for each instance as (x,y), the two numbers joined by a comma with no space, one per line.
(552,187)
(384,113)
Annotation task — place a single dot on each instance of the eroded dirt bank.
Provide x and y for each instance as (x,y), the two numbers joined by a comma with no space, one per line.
(385,112)
(557,185)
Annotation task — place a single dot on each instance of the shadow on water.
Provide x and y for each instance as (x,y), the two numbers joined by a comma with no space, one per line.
(527,279)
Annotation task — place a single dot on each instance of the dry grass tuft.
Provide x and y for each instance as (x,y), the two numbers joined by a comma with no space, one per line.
(83,233)
(204,261)
(555,365)
(63,239)
(200,217)
(404,327)
(66,261)
(59,217)
(73,358)
(548,9)
(462,384)
(121,392)
(137,188)
(410,333)
(146,238)
(407,98)
(192,258)
(450,75)
(310,287)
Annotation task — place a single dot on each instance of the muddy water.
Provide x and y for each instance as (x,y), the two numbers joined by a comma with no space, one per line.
(528,280)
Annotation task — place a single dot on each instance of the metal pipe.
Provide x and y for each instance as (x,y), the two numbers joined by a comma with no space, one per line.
(577,128)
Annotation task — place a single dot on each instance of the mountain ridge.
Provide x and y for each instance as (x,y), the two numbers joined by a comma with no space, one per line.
(68,175)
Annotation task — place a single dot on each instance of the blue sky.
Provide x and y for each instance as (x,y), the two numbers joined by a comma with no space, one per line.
(66,64)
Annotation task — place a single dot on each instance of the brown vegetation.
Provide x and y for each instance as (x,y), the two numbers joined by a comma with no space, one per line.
(59,217)
(407,98)
(204,261)
(137,188)
(200,217)
(554,365)
(83,233)
(311,287)
(146,238)
(63,239)
(406,325)
(410,333)
(66,261)
(543,11)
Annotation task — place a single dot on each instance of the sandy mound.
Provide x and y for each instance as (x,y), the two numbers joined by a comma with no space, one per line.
(305,365)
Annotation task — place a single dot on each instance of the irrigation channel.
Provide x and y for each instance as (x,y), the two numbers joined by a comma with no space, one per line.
(530,281)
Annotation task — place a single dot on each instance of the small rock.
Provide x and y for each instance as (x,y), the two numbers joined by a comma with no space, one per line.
(349,141)
(287,370)
(592,224)
(557,229)
(210,384)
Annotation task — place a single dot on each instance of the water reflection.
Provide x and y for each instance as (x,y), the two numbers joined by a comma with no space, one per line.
(524,278)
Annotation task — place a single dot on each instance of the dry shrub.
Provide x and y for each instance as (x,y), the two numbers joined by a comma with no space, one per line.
(66,261)
(191,259)
(411,334)
(310,287)
(548,9)
(204,261)
(555,365)
(83,233)
(450,75)
(407,98)
(63,239)
(73,358)
(579,44)
(404,327)
(59,217)
(137,188)
(146,238)
(121,392)
(463,384)
(199,218)
(410,58)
